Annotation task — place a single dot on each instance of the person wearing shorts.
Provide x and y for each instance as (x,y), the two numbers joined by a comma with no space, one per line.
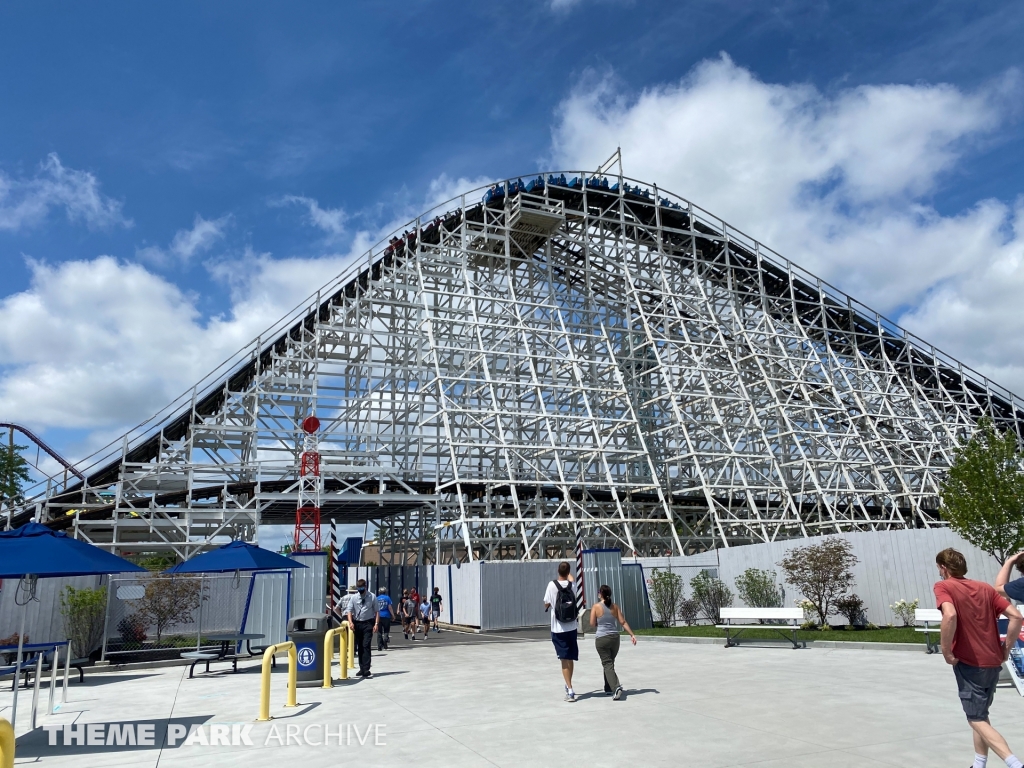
(409,617)
(403,612)
(563,633)
(425,616)
(970,644)
(435,607)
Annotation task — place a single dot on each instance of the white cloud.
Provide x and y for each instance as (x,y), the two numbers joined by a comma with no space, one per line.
(330,220)
(838,183)
(26,202)
(187,242)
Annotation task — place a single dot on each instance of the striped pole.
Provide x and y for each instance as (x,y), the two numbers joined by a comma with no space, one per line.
(581,598)
(333,575)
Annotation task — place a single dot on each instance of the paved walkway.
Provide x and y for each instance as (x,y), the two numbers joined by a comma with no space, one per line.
(477,702)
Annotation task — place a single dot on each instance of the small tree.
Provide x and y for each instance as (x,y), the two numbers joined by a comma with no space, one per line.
(983,492)
(84,611)
(852,607)
(905,611)
(758,589)
(689,611)
(169,600)
(711,594)
(821,573)
(666,594)
(13,471)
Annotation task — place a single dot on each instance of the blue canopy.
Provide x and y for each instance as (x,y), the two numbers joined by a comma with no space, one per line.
(33,549)
(235,556)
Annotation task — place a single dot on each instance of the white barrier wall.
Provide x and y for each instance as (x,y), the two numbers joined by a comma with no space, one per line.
(893,565)
(43,621)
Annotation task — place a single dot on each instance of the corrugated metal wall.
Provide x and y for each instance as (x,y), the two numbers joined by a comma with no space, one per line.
(309,584)
(43,621)
(894,565)
(488,595)
(626,580)
(512,594)
(268,607)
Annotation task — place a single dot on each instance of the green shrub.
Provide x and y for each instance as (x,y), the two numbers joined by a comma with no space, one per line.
(84,612)
(758,589)
(711,594)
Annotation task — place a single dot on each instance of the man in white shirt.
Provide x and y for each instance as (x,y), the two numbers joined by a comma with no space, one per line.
(560,599)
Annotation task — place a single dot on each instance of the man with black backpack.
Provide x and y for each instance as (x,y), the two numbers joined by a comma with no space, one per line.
(560,599)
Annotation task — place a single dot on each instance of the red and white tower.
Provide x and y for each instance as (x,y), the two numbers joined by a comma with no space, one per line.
(307,513)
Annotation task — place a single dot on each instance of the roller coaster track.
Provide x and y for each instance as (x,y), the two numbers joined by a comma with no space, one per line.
(44,447)
(729,261)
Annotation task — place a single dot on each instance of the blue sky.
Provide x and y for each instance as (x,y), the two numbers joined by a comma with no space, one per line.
(172,179)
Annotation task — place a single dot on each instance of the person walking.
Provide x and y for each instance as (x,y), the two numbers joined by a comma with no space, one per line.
(435,607)
(425,616)
(970,643)
(1012,590)
(363,613)
(408,609)
(384,610)
(605,617)
(560,599)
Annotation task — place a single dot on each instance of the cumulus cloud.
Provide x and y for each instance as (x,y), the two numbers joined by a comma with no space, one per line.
(187,242)
(839,183)
(330,220)
(25,202)
(102,344)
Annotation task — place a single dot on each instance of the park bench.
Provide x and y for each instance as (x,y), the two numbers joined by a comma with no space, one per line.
(736,620)
(932,618)
(207,657)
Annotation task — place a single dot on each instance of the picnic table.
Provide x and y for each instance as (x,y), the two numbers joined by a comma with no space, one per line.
(226,640)
(29,665)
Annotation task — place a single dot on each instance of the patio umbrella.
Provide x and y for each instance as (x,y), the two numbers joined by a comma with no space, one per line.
(235,556)
(34,551)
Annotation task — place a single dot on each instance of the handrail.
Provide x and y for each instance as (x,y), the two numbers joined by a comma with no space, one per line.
(342,634)
(268,656)
(6,744)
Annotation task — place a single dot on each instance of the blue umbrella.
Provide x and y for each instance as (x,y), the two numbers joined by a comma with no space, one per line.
(235,556)
(33,551)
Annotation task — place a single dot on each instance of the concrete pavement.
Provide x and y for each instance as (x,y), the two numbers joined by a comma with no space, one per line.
(497,701)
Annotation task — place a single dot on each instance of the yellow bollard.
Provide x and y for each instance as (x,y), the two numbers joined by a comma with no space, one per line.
(329,657)
(265,677)
(6,744)
(351,647)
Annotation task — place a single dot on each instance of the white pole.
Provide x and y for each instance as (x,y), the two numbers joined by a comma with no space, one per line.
(35,688)
(67,668)
(17,667)
(53,676)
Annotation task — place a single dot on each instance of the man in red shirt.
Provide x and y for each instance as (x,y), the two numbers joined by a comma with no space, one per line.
(970,644)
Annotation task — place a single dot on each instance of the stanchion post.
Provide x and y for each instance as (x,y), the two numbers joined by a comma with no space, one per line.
(343,653)
(53,677)
(351,647)
(35,688)
(268,655)
(67,668)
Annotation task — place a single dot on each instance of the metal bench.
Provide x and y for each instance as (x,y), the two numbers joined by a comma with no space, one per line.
(736,620)
(207,657)
(932,618)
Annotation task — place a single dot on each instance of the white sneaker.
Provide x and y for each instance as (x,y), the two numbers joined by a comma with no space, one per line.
(570,696)
(617,696)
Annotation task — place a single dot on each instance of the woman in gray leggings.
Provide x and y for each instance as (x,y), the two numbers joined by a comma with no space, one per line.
(605,617)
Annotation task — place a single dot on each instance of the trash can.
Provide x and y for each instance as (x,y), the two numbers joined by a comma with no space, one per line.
(307,632)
